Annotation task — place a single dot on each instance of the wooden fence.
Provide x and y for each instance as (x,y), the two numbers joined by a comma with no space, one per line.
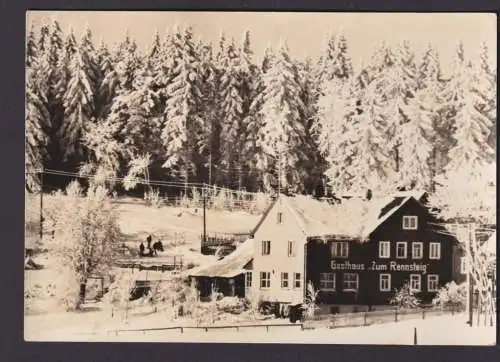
(216,240)
(340,320)
(164,263)
(359,319)
(181,329)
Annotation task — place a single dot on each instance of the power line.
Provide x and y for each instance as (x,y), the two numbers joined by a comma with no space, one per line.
(121,179)
(176,184)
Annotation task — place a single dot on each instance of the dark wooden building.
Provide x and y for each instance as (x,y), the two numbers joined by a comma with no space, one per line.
(356,252)
(406,245)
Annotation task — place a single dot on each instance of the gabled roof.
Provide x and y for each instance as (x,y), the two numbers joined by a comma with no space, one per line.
(264,216)
(231,266)
(353,218)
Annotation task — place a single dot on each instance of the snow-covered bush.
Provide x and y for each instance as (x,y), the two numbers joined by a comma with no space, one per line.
(85,231)
(120,290)
(451,295)
(310,304)
(152,197)
(404,298)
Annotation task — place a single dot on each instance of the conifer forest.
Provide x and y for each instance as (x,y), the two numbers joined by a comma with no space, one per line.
(210,113)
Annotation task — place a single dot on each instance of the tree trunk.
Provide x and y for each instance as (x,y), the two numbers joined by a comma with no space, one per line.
(83,290)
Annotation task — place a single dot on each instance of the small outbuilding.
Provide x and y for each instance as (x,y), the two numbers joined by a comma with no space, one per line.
(228,276)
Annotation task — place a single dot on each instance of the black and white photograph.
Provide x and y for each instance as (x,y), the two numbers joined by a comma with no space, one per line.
(260,177)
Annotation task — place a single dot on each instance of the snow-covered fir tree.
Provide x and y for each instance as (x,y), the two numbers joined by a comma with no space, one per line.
(89,52)
(282,134)
(487,91)
(70,45)
(433,106)
(336,109)
(31,47)
(37,118)
(417,110)
(219,114)
(231,103)
(314,165)
(128,62)
(52,85)
(183,123)
(249,73)
(79,106)
(108,84)
(473,119)
(336,62)
(254,121)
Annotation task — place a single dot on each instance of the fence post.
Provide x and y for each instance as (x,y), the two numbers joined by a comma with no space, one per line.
(366,315)
(415,336)
(423,313)
(267,328)
(395,315)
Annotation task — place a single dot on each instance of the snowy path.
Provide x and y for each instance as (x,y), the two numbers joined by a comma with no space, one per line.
(445,330)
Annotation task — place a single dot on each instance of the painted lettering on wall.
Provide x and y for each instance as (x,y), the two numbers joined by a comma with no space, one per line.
(347,266)
(392,266)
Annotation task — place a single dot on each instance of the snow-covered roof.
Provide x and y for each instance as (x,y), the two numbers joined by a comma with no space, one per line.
(150,275)
(352,218)
(230,266)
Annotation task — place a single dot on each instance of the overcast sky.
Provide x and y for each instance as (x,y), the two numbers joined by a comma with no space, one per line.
(304,32)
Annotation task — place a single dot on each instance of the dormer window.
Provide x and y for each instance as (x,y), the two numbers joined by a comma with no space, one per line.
(280,218)
(410,222)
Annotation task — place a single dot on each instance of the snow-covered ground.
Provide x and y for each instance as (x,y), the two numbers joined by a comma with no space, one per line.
(178,228)
(443,330)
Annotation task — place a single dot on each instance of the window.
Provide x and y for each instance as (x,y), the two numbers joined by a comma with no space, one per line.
(296,280)
(401,250)
(385,282)
(432,283)
(463,265)
(280,218)
(384,249)
(265,280)
(266,247)
(417,250)
(284,280)
(351,282)
(340,249)
(327,281)
(415,282)
(291,248)
(410,222)
(435,251)
(248,279)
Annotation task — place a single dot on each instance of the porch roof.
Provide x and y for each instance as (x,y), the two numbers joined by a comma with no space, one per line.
(229,267)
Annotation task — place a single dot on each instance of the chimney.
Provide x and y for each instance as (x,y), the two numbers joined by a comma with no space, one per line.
(369,194)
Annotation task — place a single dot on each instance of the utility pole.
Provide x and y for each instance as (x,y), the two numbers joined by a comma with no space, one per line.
(279,174)
(210,168)
(204,215)
(41,204)
(470,288)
